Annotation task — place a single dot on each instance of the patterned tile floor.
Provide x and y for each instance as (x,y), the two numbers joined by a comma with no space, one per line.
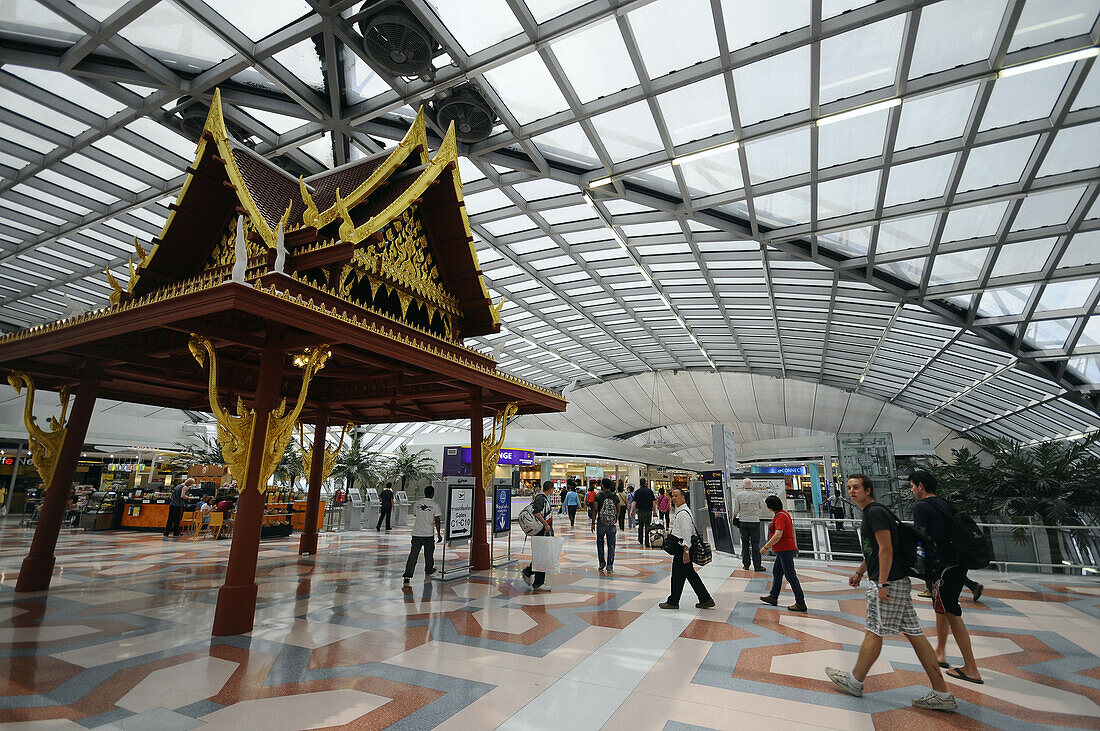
(122,641)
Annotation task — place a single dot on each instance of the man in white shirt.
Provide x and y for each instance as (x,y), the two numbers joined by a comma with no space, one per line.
(426,512)
(748,506)
(682,569)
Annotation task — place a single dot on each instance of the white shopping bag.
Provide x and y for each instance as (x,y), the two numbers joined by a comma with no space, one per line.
(544,553)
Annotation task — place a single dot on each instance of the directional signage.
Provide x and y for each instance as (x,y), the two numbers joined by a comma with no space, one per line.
(460,512)
(502,510)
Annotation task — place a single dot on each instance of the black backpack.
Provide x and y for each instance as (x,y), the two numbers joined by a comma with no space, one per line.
(966,544)
(609,511)
(916,552)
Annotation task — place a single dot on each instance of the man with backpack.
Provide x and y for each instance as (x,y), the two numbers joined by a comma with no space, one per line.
(889,602)
(933,514)
(540,506)
(605,522)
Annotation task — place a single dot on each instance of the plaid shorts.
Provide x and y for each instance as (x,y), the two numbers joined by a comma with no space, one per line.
(896,614)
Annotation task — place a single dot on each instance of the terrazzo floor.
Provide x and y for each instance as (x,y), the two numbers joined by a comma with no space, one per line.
(122,640)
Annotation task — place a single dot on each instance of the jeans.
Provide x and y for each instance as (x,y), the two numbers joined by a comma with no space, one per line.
(428,544)
(645,518)
(384,514)
(750,544)
(784,569)
(572,514)
(682,571)
(605,533)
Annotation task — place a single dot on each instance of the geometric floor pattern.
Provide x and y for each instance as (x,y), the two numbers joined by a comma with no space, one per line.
(122,641)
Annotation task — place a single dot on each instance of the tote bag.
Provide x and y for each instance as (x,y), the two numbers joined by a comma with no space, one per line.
(545,551)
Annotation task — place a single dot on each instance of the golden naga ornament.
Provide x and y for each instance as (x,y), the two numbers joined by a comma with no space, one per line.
(235,431)
(331,453)
(490,446)
(45,447)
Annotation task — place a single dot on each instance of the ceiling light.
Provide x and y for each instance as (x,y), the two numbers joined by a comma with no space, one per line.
(1048,62)
(705,153)
(600,182)
(859,111)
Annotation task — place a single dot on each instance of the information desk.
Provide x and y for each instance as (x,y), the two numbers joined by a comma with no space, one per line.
(144,515)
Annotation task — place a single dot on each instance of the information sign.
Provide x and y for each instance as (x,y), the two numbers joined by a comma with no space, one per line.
(502,510)
(460,512)
(718,512)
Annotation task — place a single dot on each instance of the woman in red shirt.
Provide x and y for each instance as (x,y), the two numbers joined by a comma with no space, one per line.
(782,542)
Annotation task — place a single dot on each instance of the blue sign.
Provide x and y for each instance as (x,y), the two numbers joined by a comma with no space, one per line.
(502,510)
(789,470)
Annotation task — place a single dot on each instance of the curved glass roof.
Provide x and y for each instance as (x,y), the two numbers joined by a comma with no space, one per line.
(897,199)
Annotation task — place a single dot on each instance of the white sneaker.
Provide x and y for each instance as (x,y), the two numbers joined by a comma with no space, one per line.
(846,682)
(935,702)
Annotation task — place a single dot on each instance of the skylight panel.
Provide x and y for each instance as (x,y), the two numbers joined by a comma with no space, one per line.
(174,36)
(105,173)
(1088,368)
(1074,148)
(302,60)
(68,88)
(1043,21)
(260,18)
(717,173)
(860,60)
(545,10)
(962,266)
(779,156)
(696,111)
(774,86)
(973,222)
(1089,93)
(134,156)
(509,225)
(1024,97)
(628,132)
(673,34)
(1071,295)
(852,139)
(76,186)
(1050,208)
(360,80)
(762,19)
(486,201)
(34,20)
(1090,334)
(567,214)
(909,270)
(1025,257)
(476,26)
(935,117)
(527,88)
(40,113)
(955,32)
(660,178)
(278,123)
(855,242)
(996,164)
(1083,249)
(569,144)
(596,61)
(786,208)
(919,180)
(847,195)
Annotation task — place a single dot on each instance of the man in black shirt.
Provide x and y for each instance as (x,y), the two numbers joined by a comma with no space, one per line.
(603,525)
(889,602)
(385,499)
(643,500)
(930,513)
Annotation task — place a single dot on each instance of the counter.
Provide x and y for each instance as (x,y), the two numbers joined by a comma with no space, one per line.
(143,514)
(298,519)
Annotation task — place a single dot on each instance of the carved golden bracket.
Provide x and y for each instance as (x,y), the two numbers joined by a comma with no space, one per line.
(331,453)
(490,446)
(235,430)
(45,447)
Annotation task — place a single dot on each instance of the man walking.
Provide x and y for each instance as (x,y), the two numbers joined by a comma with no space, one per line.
(643,504)
(385,507)
(748,507)
(540,506)
(426,513)
(682,569)
(930,513)
(604,523)
(889,603)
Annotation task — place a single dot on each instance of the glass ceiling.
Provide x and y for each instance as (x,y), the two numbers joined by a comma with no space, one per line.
(896,204)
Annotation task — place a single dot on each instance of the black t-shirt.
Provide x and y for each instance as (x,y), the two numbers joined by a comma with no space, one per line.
(643,498)
(539,503)
(386,497)
(927,516)
(877,517)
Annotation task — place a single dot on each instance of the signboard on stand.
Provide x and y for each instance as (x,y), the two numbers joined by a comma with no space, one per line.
(502,510)
(460,512)
(714,489)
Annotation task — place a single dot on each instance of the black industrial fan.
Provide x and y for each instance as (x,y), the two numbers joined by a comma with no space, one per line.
(472,115)
(397,42)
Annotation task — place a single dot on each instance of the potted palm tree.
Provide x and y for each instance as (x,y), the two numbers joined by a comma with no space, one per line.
(357,466)
(407,466)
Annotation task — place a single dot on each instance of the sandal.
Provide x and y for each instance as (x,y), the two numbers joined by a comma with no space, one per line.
(958,674)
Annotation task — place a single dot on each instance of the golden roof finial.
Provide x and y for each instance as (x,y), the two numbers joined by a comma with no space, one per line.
(311,215)
(496,309)
(347,226)
(140,251)
(215,122)
(116,288)
(286,216)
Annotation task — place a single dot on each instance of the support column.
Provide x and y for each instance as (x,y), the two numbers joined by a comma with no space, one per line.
(307,544)
(236,608)
(37,569)
(479,545)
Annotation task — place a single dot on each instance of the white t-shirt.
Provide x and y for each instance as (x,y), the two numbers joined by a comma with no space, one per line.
(426,511)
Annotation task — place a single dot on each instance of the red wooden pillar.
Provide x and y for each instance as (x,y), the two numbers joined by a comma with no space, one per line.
(479,548)
(37,569)
(307,544)
(236,608)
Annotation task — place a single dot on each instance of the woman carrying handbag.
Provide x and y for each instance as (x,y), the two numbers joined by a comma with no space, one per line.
(680,542)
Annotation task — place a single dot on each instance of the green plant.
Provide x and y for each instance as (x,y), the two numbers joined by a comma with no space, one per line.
(206,451)
(356,465)
(290,466)
(407,465)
